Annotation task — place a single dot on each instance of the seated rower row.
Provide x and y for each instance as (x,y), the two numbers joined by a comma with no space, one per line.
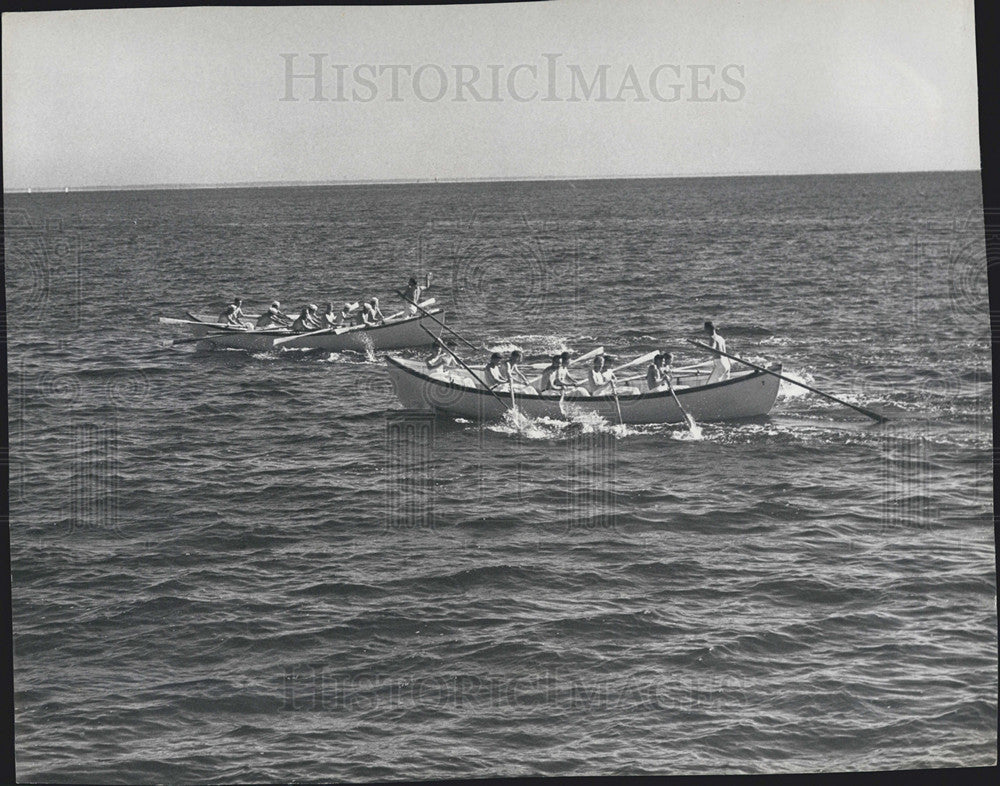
(368,314)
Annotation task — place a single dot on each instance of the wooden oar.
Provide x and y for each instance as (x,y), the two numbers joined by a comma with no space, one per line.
(687,417)
(586,356)
(215,325)
(869,413)
(442,324)
(462,363)
(426,303)
(335,330)
(641,359)
(190,340)
(226,331)
(618,406)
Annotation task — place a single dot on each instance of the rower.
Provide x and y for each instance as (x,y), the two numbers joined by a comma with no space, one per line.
(371,316)
(494,374)
(345,318)
(306,320)
(721,366)
(512,369)
(597,377)
(414,291)
(655,374)
(563,375)
(441,358)
(329,317)
(273,317)
(234,314)
(550,377)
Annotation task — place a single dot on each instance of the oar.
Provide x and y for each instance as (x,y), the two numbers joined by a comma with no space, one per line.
(641,359)
(172,321)
(869,413)
(224,331)
(215,325)
(429,302)
(618,406)
(335,330)
(687,417)
(586,356)
(462,363)
(442,324)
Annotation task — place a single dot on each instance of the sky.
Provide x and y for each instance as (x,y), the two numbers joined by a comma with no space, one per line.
(581,88)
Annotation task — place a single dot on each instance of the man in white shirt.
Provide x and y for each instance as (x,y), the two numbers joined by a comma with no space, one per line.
(721,366)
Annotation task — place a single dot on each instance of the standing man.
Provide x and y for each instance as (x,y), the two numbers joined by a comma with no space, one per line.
(721,366)
(414,291)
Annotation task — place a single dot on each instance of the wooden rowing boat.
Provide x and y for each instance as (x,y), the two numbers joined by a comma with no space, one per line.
(396,334)
(452,392)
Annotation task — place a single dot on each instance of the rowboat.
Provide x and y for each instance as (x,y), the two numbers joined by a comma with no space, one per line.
(396,334)
(453,392)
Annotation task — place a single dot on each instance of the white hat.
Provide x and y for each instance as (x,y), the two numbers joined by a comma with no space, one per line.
(311,306)
(275,304)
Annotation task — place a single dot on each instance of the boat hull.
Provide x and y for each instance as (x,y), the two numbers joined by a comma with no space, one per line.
(399,334)
(745,395)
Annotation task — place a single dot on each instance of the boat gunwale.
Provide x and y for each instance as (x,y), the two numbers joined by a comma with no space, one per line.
(647,395)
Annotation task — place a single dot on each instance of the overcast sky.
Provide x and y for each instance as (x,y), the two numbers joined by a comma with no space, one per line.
(203,95)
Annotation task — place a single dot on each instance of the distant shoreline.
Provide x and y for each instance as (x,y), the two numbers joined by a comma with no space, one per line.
(453,181)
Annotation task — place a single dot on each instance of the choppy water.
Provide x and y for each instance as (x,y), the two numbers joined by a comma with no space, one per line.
(229,567)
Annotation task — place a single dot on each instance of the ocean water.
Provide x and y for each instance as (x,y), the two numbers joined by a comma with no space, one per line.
(235,567)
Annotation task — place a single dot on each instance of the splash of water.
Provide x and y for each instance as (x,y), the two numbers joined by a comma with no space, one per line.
(788,391)
(692,433)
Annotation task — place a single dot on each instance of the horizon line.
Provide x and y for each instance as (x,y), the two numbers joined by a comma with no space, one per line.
(436,181)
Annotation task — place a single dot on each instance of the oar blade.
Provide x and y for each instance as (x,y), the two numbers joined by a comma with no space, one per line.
(641,359)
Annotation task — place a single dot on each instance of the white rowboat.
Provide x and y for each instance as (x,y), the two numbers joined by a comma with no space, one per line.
(745,394)
(397,334)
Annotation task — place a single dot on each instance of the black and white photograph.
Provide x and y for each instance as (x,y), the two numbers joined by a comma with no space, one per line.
(501,390)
